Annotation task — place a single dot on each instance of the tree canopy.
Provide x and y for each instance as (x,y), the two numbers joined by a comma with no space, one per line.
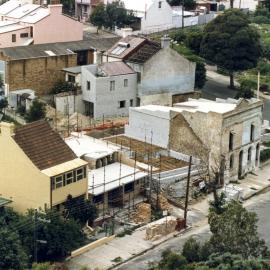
(111,15)
(231,43)
(235,231)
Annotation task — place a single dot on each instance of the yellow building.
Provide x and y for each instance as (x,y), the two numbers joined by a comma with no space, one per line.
(37,168)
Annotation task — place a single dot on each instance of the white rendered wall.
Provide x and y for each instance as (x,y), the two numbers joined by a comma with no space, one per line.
(144,126)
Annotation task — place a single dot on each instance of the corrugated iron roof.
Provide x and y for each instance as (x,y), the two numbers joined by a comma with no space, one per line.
(43,146)
(60,48)
(116,68)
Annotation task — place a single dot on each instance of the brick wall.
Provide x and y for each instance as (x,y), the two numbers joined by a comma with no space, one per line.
(38,74)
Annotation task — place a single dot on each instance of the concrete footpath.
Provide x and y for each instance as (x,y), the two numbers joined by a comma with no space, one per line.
(123,249)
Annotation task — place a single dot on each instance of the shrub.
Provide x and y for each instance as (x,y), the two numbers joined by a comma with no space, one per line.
(261,20)
(191,250)
(265,155)
(178,36)
(264,88)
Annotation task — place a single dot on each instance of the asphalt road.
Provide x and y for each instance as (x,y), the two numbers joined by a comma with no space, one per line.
(259,204)
(219,89)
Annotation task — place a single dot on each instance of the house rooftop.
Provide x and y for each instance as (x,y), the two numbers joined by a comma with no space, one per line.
(74,70)
(11,27)
(43,146)
(116,68)
(22,10)
(36,15)
(112,175)
(9,6)
(220,106)
(134,49)
(59,48)
(86,146)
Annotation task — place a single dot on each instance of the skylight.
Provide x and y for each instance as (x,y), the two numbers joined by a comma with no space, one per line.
(50,53)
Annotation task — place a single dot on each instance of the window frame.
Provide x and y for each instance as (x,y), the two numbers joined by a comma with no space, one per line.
(80,174)
(125,82)
(24,35)
(13,38)
(56,183)
(159,4)
(88,85)
(69,178)
(112,85)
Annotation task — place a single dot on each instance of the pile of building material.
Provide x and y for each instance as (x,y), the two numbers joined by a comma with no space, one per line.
(163,203)
(159,228)
(142,213)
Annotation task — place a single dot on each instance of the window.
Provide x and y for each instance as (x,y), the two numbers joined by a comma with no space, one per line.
(69,178)
(122,104)
(31,31)
(159,4)
(125,82)
(129,187)
(249,154)
(85,8)
(112,85)
(131,103)
(13,37)
(98,198)
(71,78)
(252,132)
(88,86)
(231,161)
(79,174)
(139,77)
(231,141)
(58,181)
(24,35)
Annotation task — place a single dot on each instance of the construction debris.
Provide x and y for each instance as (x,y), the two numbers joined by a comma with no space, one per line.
(159,228)
(142,213)
(163,203)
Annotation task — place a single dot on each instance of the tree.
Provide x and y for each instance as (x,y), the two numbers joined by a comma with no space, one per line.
(193,40)
(36,112)
(61,235)
(12,255)
(98,17)
(117,15)
(80,210)
(230,42)
(188,4)
(235,231)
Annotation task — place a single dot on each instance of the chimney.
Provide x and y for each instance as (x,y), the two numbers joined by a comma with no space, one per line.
(55,8)
(6,129)
(165,42)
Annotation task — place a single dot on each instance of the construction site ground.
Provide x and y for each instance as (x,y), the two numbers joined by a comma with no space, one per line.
(130,246)
(148,153)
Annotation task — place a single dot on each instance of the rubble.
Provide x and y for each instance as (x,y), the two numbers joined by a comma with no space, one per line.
(142,213)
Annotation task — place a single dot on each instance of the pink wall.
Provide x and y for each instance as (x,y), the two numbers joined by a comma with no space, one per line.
(57,28)
(6,38)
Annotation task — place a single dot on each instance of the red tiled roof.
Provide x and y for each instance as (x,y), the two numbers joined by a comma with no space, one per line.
(43,146)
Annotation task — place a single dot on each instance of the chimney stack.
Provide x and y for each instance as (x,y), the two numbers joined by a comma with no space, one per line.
(165,42)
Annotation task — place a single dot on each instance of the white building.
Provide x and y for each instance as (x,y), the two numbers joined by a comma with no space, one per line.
(109,89)
(163,73)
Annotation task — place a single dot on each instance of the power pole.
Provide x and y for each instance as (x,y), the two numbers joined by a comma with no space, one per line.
(187,191)
(35,236)
(183,8)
